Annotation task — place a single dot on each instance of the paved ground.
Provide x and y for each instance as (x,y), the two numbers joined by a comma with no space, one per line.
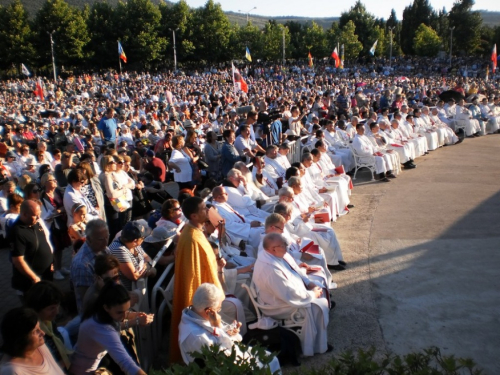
(423,254)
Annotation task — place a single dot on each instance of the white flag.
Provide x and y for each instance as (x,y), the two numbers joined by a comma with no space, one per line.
(25,70)
(374,47)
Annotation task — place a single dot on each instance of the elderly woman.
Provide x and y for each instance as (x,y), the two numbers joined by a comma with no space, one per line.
(93,189)
(180,162)
(213,156)
(100,332)
(24,345)
(201,325)
(54,215)
(77,178)
(45,299)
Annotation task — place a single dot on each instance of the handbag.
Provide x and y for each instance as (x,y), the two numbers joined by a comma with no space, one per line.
(120,204)
(202,164)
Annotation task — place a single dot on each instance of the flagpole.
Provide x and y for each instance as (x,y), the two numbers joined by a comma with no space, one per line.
(119,60)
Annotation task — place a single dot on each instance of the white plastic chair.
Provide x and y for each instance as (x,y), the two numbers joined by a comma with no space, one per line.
(294,323)
(363,162)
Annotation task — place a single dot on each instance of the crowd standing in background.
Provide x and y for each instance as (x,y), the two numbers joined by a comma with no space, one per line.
(110,167)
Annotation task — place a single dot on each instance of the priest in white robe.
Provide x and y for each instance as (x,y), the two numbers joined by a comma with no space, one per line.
(420,128)
(450,138)
(367,151)
(273,166)
(239,199)
(284,292)
(238,228)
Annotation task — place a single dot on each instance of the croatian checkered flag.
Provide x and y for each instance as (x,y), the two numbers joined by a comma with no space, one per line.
(25,70)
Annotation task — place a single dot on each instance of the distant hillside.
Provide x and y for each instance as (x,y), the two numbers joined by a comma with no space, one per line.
(489,18)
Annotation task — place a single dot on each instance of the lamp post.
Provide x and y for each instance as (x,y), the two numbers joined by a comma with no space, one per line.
(52,50)
(284,45)
(390,51)
(175,49)
(451,41)
(247,12)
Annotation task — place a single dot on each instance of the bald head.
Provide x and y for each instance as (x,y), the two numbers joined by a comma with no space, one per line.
(219,194)
(30,212)
(274,244)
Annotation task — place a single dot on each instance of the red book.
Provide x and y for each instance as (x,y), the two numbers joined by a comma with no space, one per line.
(395,145)
(311,248)
(322,217)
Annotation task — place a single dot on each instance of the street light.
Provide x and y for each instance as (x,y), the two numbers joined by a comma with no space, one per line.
(390,53)
(284,45)
(451,41)
(52,50)
(248,11)
(175,49)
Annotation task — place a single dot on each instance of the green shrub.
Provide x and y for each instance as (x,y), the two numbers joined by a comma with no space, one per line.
(427,362)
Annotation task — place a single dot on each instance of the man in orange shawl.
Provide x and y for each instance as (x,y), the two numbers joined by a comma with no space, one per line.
(195,264)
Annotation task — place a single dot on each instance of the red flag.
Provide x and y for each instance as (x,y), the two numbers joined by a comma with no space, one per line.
(336,57)
(310,60)
(239,82)
(494,58)
(39,89)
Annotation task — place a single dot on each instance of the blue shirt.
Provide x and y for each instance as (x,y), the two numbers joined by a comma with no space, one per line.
(108,127)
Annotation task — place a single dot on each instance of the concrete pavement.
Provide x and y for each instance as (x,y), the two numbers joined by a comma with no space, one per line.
(423,255)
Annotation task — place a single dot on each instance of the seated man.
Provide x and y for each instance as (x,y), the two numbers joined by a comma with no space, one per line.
(273,166)
(365,149)
(283,291)
(258,184)
(239,199)
(238,228)
(201,325)
(450,138)
(245,145)
(301,223)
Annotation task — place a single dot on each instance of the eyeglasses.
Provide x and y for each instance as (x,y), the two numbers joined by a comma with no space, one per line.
(176,208)
(36,191)
(112,162)
(281,229)
(120,162)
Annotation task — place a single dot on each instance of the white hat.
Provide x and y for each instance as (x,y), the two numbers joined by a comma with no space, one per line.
(160,234)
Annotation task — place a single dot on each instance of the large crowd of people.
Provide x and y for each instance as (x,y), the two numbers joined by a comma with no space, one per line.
(246,185)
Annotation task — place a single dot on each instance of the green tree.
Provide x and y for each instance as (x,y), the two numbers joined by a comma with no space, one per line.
(139,24)
(379,34)
(273,41)
(426,42)
(296,31)
(364,24)
(348,37)
(211,30)
(70,34)
(15,36)
(314,40)
(467,24)
(247,36)
(103,47)
(179,17)
(420,11)
(393,27)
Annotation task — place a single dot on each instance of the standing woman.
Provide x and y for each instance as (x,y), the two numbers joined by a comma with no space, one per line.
(54,215)
(230,154)
(93,189)
(140,205)
(100,332)
(73,194)
(24,345)
(128,185)
(213,156)
(181,163)
(192,150)
(113,190)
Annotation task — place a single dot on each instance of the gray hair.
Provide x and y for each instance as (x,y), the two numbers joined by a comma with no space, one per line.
(240,165)
(285,191)
(274,219)
(294,181)
(233,173)
(95,225)
(271,237)
(283,209)
(207,295)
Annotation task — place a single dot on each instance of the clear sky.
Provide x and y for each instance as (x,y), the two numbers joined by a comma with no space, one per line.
(329,8)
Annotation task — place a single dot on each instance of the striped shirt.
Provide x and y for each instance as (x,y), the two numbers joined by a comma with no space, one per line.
(125,255)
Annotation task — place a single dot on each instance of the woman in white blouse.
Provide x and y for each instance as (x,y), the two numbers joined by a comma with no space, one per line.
(114,187)
(180,162)
(126,135)
(128,184)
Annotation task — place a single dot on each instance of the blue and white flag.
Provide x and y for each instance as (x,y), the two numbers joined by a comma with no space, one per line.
(374,47)
(25,70)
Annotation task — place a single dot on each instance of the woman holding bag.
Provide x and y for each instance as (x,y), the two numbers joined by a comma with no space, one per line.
(116,204)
